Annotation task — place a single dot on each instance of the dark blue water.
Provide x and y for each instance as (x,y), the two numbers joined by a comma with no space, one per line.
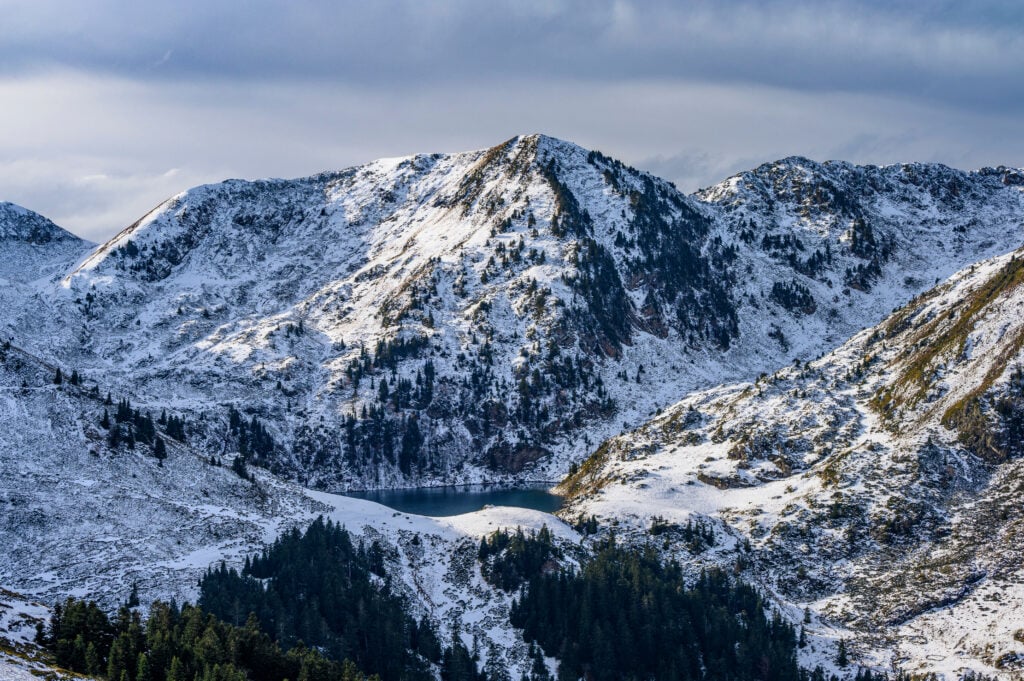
(445,501)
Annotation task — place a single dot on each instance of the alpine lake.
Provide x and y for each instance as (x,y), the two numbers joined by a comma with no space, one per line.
(449,501)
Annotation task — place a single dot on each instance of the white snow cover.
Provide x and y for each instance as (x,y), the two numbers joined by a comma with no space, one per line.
(81,521)
(876,518)
(192,306)
(192,309)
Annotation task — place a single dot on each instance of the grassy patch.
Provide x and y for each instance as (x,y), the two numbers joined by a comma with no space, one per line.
(590,477)
(967,416)
(945,336)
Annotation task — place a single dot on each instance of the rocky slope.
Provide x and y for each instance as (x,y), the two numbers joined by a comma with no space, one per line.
(494,314)
(33,247)
(877,486)
(33,250)
(78,517)
(20,658)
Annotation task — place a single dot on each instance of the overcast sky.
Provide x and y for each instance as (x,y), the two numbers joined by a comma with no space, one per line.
(109,106)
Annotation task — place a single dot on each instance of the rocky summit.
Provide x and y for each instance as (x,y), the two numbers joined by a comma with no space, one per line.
(809,375)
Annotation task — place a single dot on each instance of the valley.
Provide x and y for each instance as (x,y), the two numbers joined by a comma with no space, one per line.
(807,376)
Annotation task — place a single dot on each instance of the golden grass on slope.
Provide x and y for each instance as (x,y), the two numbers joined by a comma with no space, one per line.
(944,338)
(591,475)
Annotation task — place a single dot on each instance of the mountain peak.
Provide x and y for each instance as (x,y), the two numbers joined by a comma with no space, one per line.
(793,161)
(33,247)
(21,224)
(539,138)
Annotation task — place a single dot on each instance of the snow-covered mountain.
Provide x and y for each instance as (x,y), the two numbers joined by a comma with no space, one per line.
(80,518)
(494,314)
(20,224)
(33,250)
(33,247)
(878,486)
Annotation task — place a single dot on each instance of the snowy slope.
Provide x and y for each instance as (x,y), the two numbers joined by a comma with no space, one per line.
(879,485)
(78,518)
(522,303)
(20,658)
(863,237)
(33,247)
(33,251)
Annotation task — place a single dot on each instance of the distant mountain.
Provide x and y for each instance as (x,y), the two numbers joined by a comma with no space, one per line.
(33,247)
(494,314)
(879,485)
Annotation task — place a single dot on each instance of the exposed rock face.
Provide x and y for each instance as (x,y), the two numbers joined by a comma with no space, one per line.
(879,485)
(499,314)
(372,318)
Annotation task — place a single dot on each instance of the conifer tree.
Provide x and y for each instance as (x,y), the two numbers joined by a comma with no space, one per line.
(177,670)
(92,659)
(114,437)
(142,672)
(133,597)
(116,663)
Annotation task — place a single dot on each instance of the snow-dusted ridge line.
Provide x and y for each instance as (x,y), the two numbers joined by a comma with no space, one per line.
(34,249)
(482,260)
(844,486)
(499,267)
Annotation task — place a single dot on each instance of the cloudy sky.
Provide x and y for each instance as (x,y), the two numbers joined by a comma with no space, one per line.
(109,106)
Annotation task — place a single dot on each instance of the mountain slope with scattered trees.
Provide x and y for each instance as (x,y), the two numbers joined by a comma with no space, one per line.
(876,484)
(494,314)
(516,313)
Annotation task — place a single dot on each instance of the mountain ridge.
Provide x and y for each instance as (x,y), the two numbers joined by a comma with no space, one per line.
(874,485)
(770,359)
(34,247)
(560,281)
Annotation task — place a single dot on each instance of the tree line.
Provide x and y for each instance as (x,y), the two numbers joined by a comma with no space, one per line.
(626,614)
(178,644)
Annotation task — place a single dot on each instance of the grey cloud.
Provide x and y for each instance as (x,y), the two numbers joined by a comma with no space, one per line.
(93,205)
(935,51)
(93,152)
(101,99)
